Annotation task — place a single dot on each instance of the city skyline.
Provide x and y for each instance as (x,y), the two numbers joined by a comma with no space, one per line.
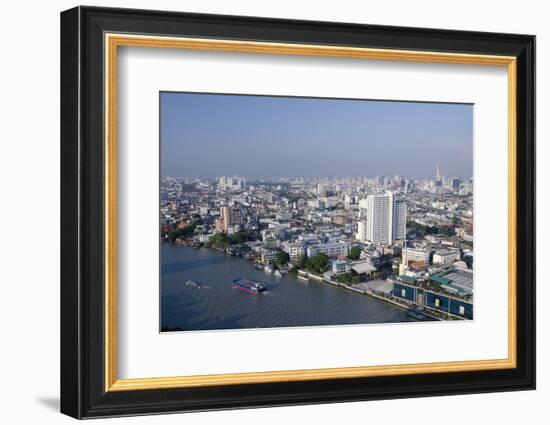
(204,135)
(251,178)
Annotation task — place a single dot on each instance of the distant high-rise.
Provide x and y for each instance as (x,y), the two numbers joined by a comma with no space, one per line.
(321,190)
(437,173)
(234,183)
(386,220)
(399,220)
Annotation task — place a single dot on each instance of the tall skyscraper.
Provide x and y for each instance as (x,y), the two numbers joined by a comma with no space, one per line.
(229,217)
(379,218)
(399,220)
(321,189)
(437,173)
(386,220)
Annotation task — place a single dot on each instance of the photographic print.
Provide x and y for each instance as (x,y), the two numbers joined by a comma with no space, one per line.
(279,211)
(259,183)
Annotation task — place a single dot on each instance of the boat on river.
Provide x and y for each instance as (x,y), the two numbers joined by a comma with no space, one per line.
(193,284)
(248,285)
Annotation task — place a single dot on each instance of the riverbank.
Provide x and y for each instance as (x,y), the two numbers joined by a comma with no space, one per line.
(305,275)
(287,302)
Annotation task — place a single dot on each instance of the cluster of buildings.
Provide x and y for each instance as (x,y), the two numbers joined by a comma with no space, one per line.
(232,184)
(414,235)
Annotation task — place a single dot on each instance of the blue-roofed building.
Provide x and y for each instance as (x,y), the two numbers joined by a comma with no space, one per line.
(412,292)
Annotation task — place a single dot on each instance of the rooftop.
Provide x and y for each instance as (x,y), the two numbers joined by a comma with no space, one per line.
(363,267)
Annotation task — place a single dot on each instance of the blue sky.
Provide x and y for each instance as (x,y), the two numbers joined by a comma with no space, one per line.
(210,135)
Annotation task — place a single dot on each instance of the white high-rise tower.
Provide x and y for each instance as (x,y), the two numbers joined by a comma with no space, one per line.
(379,218)
(437,173)
(385,219)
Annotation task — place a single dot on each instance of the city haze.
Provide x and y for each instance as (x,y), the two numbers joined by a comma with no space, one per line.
(210,135)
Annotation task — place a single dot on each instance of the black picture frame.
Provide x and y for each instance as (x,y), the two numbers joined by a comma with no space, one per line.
(83,392)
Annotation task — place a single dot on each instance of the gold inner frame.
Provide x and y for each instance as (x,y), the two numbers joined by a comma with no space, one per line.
(113,41)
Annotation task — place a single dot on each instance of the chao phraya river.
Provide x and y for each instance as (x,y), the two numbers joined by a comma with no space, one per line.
(287,301)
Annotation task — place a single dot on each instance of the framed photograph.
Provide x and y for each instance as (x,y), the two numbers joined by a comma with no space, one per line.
(261,212)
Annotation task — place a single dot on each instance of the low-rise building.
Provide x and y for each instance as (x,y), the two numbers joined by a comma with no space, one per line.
(294,249)
(331,249)
(268,256)
(364,269)
(283,216)
(415,254)
(205,238)
(340,267)
(446,257)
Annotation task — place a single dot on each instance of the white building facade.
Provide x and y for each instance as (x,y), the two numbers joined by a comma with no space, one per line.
(415,254)
(361,235)
(384,219)
(331,249)
(446,258)
(294,249)
(379,218)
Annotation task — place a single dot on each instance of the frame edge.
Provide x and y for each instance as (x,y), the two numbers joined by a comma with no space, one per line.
(79,397)
(70,349)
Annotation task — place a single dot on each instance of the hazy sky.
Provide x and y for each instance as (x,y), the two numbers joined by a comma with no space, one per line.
(210,135)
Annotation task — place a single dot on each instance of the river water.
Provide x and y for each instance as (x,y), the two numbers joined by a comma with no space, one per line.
(286,302)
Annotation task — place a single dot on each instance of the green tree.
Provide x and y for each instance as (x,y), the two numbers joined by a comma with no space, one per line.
(430,230)
(219,240)
(318,263)
(446,230)
(185,231)
(354,253)
(282,258)
(240,237)
(301,262)
(175,234)
(348,278)
(189,230)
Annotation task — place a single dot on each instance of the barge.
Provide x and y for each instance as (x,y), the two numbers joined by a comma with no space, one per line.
(249,285)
